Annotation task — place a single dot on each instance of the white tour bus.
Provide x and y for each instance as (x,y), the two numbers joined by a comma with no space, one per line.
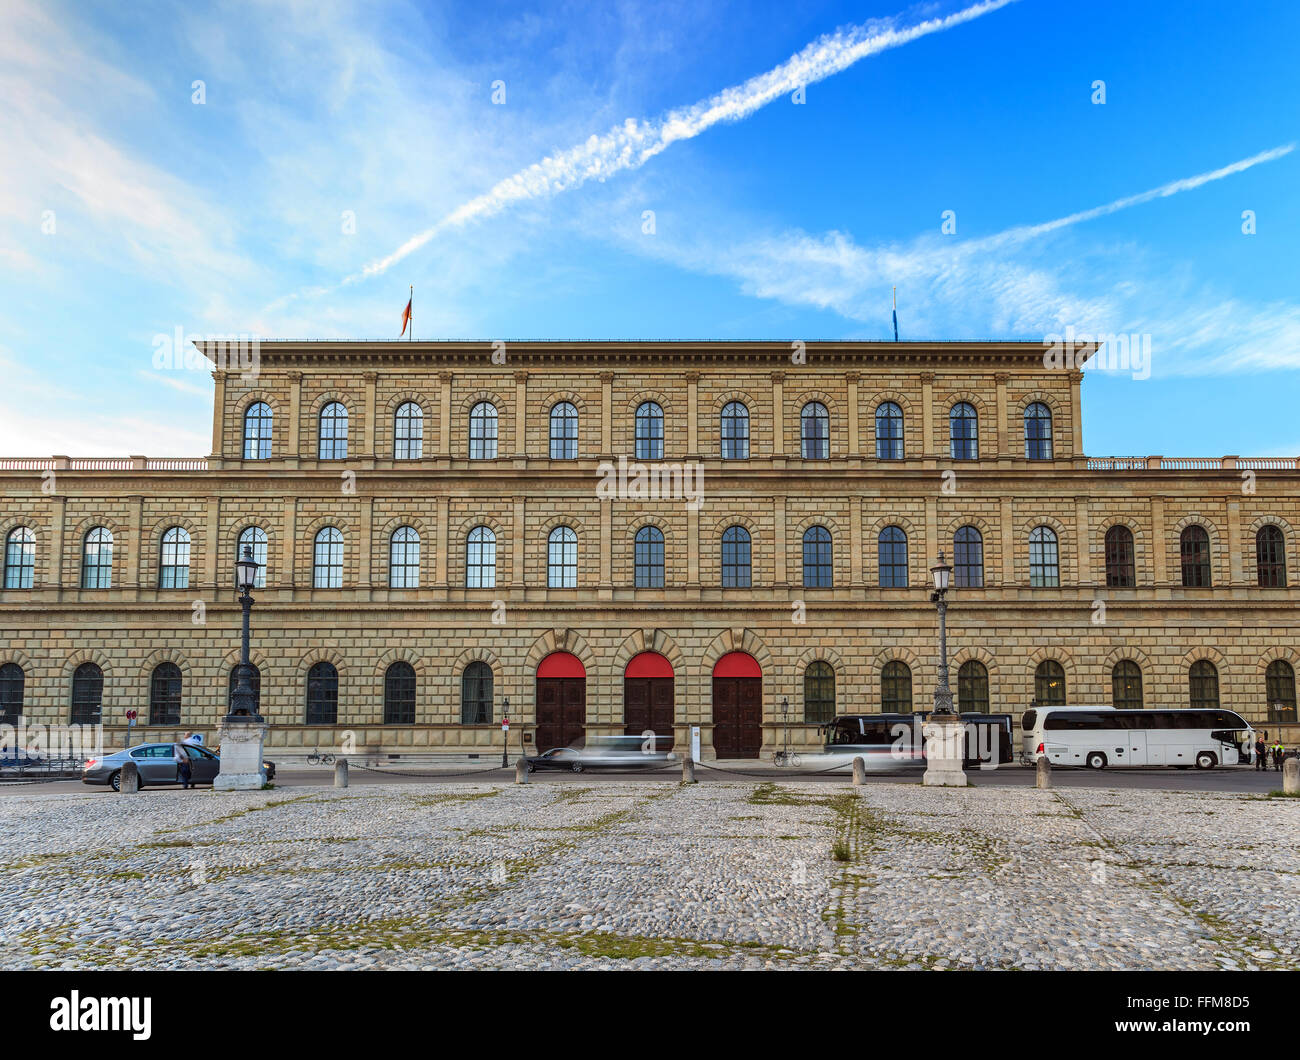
(1098,737)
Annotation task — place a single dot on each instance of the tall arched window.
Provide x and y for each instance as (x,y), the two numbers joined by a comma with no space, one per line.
(1126,685)
(12,680)
(815,431)
(889,431)
(333,432)
(735,431)
(967,558)
(648,558)
(1194,544)
(564,431)
(963,432)
(649,431)
(20,558)
(1279,690)
(735,558)
(891,549)
(481,559)
(408,432)
(257,431)
(165,694)
(322,694)
(562,559)
(896,688)
(399,694)
(818,693)
(1203,684)
(1120,573)
(1049,684)
(1270,557)
(87,694)
(327,561)
(817,558)
(254,537)
(97,559)
(1038,432)
(174,559)
(404,558)
(476,694)
(254,681)
(973,687)
(483,431)
(1044,559)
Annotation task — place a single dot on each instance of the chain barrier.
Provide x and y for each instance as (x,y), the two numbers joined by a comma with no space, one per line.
(441,773)
(777,771)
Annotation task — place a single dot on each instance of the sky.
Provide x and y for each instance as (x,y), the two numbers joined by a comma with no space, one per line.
(620,170)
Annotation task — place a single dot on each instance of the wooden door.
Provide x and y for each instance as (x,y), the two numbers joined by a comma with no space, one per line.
(737,716)
(648,704)
(561,712)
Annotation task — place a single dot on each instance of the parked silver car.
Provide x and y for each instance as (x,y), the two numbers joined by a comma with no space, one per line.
(157,765)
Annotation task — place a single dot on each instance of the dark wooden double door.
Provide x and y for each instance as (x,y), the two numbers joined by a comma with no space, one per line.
(561,712)
(648,704)
(737,716)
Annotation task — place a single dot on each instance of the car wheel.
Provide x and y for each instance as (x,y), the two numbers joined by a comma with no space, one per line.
(1096,760)
(115,781)
(576,767)
(1206,760)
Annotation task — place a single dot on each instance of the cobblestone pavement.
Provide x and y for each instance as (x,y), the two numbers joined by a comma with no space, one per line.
(635,875)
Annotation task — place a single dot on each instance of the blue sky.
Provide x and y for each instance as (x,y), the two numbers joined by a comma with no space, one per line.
(127,210)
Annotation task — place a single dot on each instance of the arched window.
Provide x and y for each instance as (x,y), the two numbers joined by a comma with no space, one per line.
(174,559)
(483,431)
(818,693)
(408,432)
(404,558)
(1126,685)
(817,558)
(254,537)
(649,431)
(254,680)
(20,558)
(964,432)
(12,680)
(1038,432)
(399,694)
(1049,684)
(481,559)
(967,558)
(1194,543)
(257,431)
(97,559)
(648,558)
(896,688)
(327,562)
(735,558)
(891,550)
(1120,573)
(165,695)
(562,559)
(735,431)
(972,687)
(564,431)
(1279,690)
(333,432)
(1044,561)
(815,431)
(87,694)
(476,694)
(889,431)
(1270,557)
(322,694)
(1203,684)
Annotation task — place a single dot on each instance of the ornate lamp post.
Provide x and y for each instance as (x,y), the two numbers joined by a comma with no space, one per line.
(941,572)
(243,730)
(945,746)
(505,732)
(243,701)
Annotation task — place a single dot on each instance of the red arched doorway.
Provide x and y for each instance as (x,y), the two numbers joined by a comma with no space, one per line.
(561,701)
(737,706)
(648,698)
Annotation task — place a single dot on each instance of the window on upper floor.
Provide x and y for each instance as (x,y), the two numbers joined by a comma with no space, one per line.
(404,558)
(735,431)
(967,558)
(817,563)
(481,559)
(1194,546)
(1044,560)
(408,432)
(736,572)
(815,431)
(333,432)
(257,431)
(889,431)
(649,431)
(564,431)
(562,558)
(648,558)
(97,559)
(891,552)
(174,559)
(1120,572)
(1270,557)
(483,431)
(254,537)
(1038,432)
(327,559)
(20,558)
(963,432)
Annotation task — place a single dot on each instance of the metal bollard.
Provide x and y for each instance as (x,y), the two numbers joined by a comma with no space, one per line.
(129,781)
(859,772)
(341,773)
(521,772)
(1291,776)
(688,769)
(1043,773)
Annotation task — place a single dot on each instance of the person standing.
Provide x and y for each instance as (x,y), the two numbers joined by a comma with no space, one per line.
(1277,756)
(183,770)
(1261,753)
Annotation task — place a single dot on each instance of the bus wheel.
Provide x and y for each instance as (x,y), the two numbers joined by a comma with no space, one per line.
(1096,760)
(1206,760)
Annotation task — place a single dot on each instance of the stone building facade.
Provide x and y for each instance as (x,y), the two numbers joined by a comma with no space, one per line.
(773,570)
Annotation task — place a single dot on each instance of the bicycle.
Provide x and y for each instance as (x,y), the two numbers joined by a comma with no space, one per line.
(318,757)
(785,758)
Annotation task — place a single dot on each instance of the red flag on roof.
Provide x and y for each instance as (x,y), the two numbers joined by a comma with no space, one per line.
(406,314)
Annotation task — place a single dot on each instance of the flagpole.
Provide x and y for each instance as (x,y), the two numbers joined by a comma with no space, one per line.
(411,318)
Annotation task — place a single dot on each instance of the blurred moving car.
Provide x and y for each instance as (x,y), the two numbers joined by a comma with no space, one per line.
(157,765)
(603,752)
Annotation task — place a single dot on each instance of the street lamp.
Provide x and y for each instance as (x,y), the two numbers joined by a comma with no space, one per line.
(243,701)
(505,732)
(941,572)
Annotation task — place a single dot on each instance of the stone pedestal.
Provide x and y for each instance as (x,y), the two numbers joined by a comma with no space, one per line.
(241,755)
(944,752)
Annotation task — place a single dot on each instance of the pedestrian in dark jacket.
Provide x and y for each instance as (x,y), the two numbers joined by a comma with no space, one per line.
(1261,754)
(183,771)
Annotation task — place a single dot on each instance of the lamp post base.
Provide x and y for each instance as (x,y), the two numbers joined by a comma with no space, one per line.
(241,756)
(945,752)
